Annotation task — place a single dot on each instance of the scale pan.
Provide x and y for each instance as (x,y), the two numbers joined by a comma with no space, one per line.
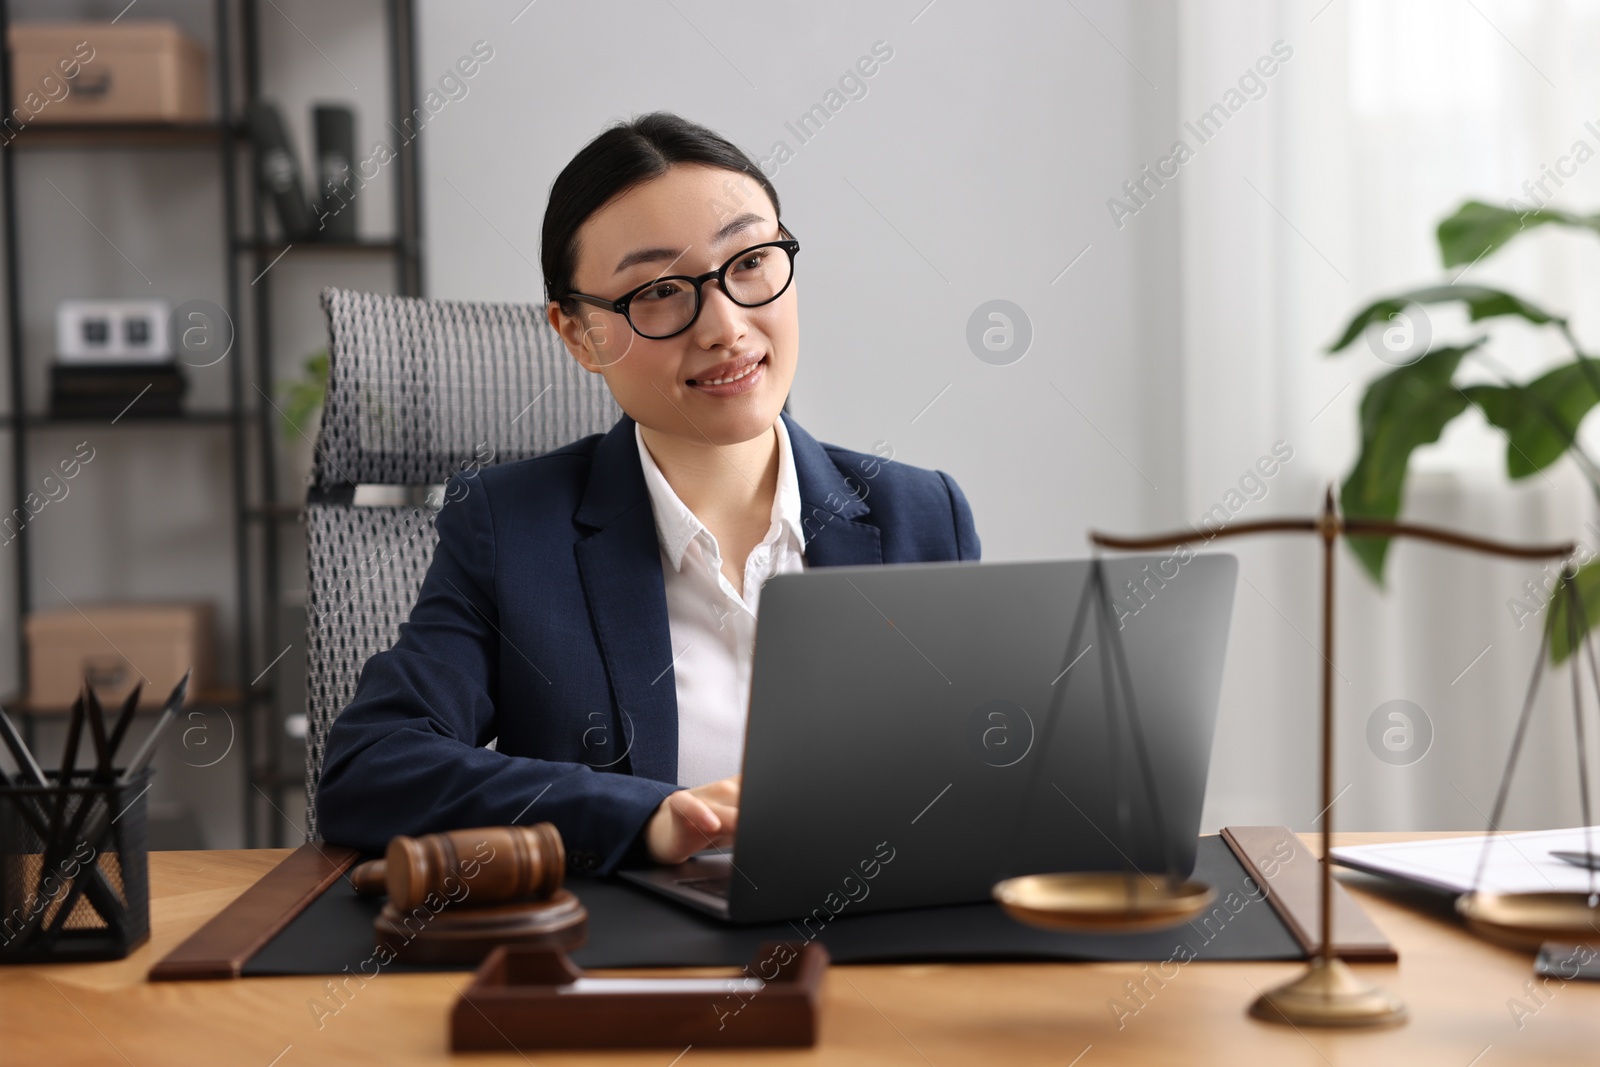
(1528,920)
(1102,902)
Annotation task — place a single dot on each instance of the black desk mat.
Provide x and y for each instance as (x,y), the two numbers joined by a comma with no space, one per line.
(632,927)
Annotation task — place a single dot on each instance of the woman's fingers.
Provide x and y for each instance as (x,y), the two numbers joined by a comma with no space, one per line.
(714,831)
(706,816)
(680,826)
(725,790)
(695,813)
(728,815)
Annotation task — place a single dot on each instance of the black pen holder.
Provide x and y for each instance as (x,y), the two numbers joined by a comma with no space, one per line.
(74,869)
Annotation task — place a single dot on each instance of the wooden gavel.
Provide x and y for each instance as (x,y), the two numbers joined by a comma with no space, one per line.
(496,863)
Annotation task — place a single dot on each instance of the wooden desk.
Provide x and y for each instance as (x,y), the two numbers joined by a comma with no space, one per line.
(1457,987)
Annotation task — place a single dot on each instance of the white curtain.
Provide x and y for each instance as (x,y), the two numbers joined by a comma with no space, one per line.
(1319,193)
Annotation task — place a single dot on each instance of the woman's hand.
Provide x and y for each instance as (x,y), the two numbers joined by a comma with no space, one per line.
(689,820)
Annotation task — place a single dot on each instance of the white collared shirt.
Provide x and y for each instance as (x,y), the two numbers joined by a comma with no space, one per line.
(713,628)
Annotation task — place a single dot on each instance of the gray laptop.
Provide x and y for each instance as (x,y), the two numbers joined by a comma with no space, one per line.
(919,732)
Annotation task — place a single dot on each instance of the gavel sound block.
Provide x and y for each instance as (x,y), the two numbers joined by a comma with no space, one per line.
(535,998)
(454,896)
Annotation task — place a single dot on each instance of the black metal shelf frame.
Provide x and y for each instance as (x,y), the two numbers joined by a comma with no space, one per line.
(255,521)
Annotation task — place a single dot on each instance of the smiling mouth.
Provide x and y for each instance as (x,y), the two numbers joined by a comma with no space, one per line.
(751,369)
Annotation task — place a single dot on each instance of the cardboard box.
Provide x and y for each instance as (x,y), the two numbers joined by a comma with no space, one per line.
(114,644)
(130,71)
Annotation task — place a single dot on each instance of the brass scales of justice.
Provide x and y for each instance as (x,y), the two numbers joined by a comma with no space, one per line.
(1328,993)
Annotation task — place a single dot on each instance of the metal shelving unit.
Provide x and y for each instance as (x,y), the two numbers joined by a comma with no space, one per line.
(256,512)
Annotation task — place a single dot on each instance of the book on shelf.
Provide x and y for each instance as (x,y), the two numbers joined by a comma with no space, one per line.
(280,172)
(91,390)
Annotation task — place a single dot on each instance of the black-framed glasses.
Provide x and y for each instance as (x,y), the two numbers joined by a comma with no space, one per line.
(665,307)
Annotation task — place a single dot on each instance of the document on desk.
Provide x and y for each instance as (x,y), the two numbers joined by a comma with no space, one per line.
(1518,863)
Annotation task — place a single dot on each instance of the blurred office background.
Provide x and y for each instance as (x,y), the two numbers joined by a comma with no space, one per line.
(997,152)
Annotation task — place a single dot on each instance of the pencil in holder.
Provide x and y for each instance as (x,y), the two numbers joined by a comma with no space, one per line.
(74,868)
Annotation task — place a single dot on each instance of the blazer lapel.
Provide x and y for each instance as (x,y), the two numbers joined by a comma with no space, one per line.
(620,567)
(829,507)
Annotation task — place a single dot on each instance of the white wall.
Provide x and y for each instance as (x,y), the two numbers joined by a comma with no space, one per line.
(976,167)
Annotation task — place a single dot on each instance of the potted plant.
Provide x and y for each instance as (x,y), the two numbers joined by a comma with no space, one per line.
(300,413)
(1410,406)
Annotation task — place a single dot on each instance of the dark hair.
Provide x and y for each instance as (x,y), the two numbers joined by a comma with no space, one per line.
(626,155)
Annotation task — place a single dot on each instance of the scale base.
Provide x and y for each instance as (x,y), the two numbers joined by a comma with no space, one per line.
(1328,994)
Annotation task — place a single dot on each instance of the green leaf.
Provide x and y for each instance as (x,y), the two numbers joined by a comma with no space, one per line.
(303,396)
(1588,582)
(1476,229)
(1482,303)
(1540,419)
(1401,411)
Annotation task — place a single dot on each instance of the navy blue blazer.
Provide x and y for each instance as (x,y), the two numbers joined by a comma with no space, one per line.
(542,622)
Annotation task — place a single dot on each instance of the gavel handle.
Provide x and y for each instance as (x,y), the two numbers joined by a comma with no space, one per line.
(371,878)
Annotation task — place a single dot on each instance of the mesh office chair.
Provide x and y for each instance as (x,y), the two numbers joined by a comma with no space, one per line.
(417,390)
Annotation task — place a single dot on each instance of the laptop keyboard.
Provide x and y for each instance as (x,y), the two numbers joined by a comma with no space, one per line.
(716,886)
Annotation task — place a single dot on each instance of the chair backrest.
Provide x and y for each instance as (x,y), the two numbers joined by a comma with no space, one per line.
(417,390)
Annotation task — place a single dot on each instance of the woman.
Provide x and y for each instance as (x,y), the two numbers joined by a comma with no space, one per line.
(593,609)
